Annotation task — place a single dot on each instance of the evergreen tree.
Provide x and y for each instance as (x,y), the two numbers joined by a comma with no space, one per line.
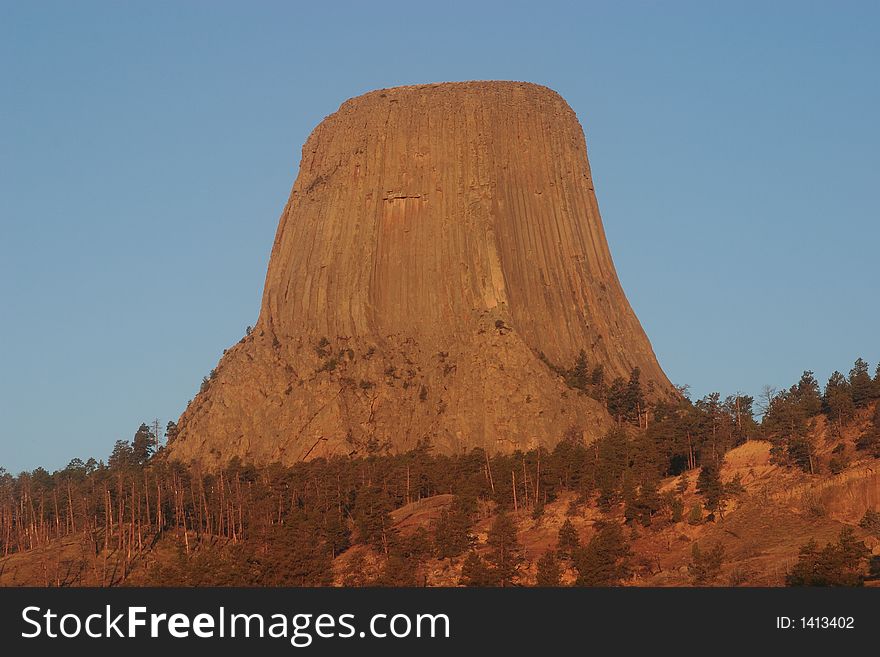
(372,516)
(143,445)
(617,399)
(837,564)
(604,561)
(578,377)
(683,484)
(710,487)
(741,411)
(808,395)
(870,522)
(474,571)
(869,441)
(171,432)
(336,533)
(612,458)
(295,557)
(705,567)
(505,552)
(628,495)
(451,530)
(121,456)
(404,564)
(838,399)
(861,385)
(648,501)
(634,399)
(549,571)
(799,451)
(569,542)
(676,508)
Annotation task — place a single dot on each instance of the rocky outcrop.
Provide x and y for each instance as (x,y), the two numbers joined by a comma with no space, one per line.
(438,238)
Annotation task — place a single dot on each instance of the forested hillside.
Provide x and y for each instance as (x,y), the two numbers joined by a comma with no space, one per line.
(701,479)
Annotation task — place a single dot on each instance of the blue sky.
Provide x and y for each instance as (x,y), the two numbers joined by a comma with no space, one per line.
(147,150)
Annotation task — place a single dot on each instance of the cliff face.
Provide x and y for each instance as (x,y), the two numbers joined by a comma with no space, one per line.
(437,238)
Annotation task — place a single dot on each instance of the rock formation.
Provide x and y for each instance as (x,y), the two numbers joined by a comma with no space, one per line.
(437,240)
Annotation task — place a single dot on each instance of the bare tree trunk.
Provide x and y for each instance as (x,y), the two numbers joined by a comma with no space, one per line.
(513,480)
(489,469)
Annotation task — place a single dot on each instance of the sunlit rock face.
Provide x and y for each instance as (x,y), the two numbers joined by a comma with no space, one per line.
(437,239)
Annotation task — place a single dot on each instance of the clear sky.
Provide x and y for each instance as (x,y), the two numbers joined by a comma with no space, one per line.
(147,150)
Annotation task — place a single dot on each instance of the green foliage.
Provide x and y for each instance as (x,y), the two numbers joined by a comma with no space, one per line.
(452,536)
(474,571)
(734,487)
(604,561)
(683,484)
(705,567)
(143,445)
(568,542)
(549,570)
(505,551)
(171,431)
(612,459)
(372,516)
(838,400)
(296,555)
(870,522)
(837,564)
(580,377)
(861,385)
(869,441)
(648,502)
(404,564)
(710,487)
(787,423)
(676,509)
(322,349)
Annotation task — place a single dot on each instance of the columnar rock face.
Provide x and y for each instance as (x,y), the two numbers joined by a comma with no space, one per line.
(437,240)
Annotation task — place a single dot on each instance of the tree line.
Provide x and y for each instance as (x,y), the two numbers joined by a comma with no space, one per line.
(285,524)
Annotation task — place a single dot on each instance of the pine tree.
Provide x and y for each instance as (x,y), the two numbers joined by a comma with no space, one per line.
(474,571)
(869,441)
(549,571)
(683,484)
(295,557)
(121,456)
(617,399)
(406,557)
(611,461)
(569,542)
(634,404)
(710,487)
(648,501)
(143,445)
(808,395)
(452,528)
(604,561)
(705,567)
(505,552)
(838,399)
(372,515)
(578,377)
(171,432)
(837,564)
(861,385)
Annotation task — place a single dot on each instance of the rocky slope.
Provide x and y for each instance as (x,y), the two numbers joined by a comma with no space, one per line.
(438,238)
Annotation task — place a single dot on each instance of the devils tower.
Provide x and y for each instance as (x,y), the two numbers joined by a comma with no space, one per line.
(442,243)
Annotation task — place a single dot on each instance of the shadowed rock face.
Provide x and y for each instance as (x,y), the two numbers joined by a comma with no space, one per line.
(437,238)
